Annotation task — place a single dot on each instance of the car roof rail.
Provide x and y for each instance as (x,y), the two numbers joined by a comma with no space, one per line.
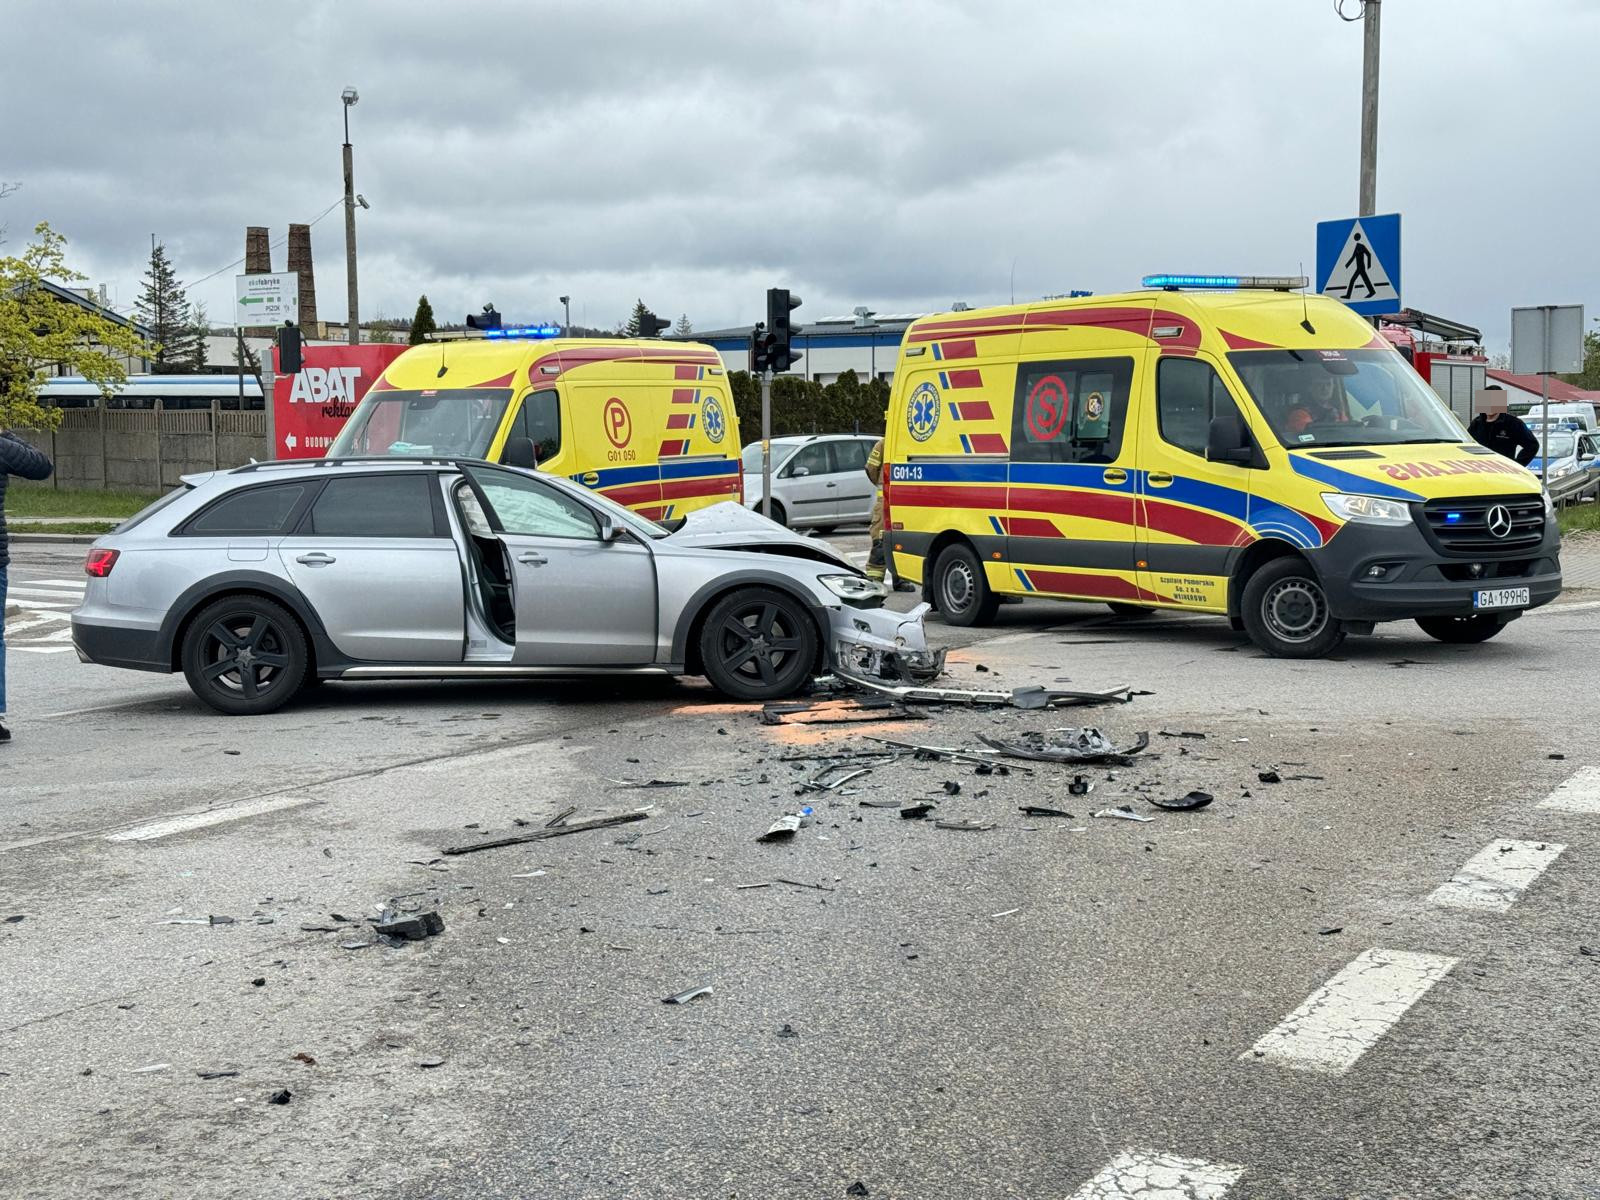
(359,460)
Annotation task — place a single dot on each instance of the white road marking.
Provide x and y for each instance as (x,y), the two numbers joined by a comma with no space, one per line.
(215,816)
(1151,1175)
(1495,876)
(1345,1017)
(1580,794)
(27,649)
(1547,609)
(63,606)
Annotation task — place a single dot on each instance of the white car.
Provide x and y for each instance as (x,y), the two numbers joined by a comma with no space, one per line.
(818,481)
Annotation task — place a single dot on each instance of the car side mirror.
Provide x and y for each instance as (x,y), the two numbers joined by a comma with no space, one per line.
(610,531)
(1226,441)
(520,452)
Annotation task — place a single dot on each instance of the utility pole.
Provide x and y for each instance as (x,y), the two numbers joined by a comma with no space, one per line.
(566,308)
(1370,10)
(766,443)
(350,96)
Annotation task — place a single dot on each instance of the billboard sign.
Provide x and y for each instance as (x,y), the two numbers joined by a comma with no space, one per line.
(261,300)
(311,406)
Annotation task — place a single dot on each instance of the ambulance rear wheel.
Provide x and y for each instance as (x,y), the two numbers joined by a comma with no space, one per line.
(1461,631)
(1124,610)
(1286,612)
(961,593)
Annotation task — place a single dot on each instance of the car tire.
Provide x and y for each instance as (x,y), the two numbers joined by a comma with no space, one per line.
(268,639)
(823,530)
(1462,631)
(961,593)
(1129,611)
(1286,611)
(779,514)
(758,644)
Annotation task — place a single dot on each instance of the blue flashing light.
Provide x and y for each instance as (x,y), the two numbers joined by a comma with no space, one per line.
(525,331)
(1451,518)
(1190,281)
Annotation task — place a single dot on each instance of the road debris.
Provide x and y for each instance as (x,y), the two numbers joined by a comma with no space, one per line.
(1121,813)
(857,1189)
(1033,697)
(912,812)
(835,712)
(303,1057)
(1330,931)
(1038,810)
(965,825)
(281,1096)
(786,826)
(788,1031)
(561,817)
(1080,786)
(1008,913)
(820,782)
(551,831)
(152,1069)
(412,928)
(1187,803)
(685,996)
(1269,777)
(1085,745)
(430,1062)
(815,887)
(217,1074)
(954,755)
(1181,733)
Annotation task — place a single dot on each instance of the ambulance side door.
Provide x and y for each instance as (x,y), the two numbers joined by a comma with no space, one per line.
(1193,514)
(1071,519)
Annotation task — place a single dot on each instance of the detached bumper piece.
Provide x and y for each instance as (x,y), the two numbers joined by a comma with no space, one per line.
(1022,697)
(878,644)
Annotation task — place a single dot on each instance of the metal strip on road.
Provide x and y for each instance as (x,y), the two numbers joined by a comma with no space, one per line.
(1345,1017)
(1580,794)
(215,816)
(1151,1175)
(1493,878)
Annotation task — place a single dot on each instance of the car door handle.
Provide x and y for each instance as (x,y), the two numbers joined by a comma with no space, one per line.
(532,558)
(1114,475)
(316,559)
(1160,479)
(833,485)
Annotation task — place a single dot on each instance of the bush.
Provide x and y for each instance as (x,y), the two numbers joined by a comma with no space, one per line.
(800,406)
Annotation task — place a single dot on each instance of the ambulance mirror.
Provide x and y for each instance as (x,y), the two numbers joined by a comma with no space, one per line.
(520,452)
(1226,441)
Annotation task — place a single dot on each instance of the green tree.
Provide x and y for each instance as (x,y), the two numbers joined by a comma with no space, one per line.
(422,324)
(163,308)
(199,330)
(635,324)
(39,330)
(381,331)
(1589,377)
(683,328)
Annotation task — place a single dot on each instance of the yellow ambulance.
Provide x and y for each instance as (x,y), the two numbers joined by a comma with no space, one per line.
(648,423)
(1211,444)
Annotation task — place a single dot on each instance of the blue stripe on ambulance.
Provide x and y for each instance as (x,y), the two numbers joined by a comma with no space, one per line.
(1347,481)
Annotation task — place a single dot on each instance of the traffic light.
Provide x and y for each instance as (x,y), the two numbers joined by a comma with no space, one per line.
(651,325)
(289,357)
(487,319)
(758,349)
(780,329)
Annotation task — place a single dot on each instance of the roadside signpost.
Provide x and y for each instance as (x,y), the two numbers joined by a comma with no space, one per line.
(1358,262)
(1546,340)
(266,300)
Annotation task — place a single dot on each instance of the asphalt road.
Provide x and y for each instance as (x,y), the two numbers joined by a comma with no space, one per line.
(1280,995)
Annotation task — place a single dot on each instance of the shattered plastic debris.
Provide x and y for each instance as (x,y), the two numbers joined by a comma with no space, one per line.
(1184,803)
(857,1189)
(1067,746)
(1037,810)
(1023,697)
(412,928)
(1269,777)
(152,1069)
(1121,813)
(685,996)
(550,832)
(912,812)
(1181,733)
(786,826)
(281,1096)
(1080,786)
(966,825)
(217,1074)
(835,712)
(430,1062)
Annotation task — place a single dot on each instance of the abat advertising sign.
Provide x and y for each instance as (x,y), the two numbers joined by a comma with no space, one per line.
(311,406)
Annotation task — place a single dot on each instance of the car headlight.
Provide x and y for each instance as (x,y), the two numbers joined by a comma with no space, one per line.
(1549,505)
(1562,471)
(1367,510)
(853,587)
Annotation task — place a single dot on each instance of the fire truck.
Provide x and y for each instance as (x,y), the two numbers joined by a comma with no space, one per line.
(1447,354)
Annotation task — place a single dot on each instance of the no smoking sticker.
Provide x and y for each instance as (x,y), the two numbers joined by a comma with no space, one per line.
(1046,409)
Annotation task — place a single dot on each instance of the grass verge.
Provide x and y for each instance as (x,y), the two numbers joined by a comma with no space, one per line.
(1580,518)
(24,501)
(61,527)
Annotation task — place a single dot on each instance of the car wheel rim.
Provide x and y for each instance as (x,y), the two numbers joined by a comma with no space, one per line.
(759,642)
(1295,610)
(244,655)
(959,587)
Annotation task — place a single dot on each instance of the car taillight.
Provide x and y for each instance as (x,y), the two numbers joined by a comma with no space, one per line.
(100,562)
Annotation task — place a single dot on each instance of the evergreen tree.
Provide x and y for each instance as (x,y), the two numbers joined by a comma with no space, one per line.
(683,328)
(199,330)
(422,323)
(635,323)
(163,308)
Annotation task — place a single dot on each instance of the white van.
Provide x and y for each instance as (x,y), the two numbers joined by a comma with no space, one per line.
(1560,414)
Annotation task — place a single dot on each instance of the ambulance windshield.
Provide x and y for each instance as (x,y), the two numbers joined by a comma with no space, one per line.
(444,423)
(1316,398)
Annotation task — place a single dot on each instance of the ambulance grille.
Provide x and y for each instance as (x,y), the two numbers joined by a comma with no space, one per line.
(1462,526)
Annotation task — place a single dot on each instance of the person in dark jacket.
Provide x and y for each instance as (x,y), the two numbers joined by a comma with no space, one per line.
(1505,433)
(20,459)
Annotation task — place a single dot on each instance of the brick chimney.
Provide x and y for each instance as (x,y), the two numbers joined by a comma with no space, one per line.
(300,260)
(257,261)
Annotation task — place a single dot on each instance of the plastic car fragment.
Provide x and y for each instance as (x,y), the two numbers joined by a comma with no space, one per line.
(1068,746)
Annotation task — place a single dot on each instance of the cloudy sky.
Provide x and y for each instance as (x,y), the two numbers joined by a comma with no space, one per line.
(898,154)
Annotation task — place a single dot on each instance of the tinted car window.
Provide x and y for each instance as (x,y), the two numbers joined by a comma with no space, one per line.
(850,455)
(374,506)
(813,458)
(1189,393)
(257,512)
(539,419)
(1072,411)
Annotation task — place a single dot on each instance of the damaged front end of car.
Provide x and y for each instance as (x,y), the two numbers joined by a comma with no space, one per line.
(879,644)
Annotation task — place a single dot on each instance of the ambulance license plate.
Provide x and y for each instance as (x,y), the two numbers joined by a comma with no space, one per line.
(1501,598)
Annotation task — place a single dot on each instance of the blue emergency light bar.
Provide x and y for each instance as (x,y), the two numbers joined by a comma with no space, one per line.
(1277,283)
(525,331)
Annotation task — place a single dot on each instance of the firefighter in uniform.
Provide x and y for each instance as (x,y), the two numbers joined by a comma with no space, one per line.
(875,562)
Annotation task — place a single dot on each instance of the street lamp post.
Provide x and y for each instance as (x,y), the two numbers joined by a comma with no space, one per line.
(566,306)
(350,96)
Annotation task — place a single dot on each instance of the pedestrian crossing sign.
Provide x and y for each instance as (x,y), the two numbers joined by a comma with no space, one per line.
(1358,262)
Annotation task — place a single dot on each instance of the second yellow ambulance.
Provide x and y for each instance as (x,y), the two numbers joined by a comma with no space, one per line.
(1213,444)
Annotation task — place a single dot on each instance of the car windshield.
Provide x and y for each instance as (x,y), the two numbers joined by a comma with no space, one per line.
(1315,398)
(447,422)
(750,460)
(1558,444)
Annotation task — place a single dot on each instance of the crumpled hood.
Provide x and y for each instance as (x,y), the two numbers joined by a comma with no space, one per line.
(731,526)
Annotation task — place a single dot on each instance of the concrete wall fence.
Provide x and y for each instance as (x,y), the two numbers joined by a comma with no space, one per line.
(146,449)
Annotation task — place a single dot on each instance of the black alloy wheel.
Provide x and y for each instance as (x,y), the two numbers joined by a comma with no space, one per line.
(758,644)
(245,655)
